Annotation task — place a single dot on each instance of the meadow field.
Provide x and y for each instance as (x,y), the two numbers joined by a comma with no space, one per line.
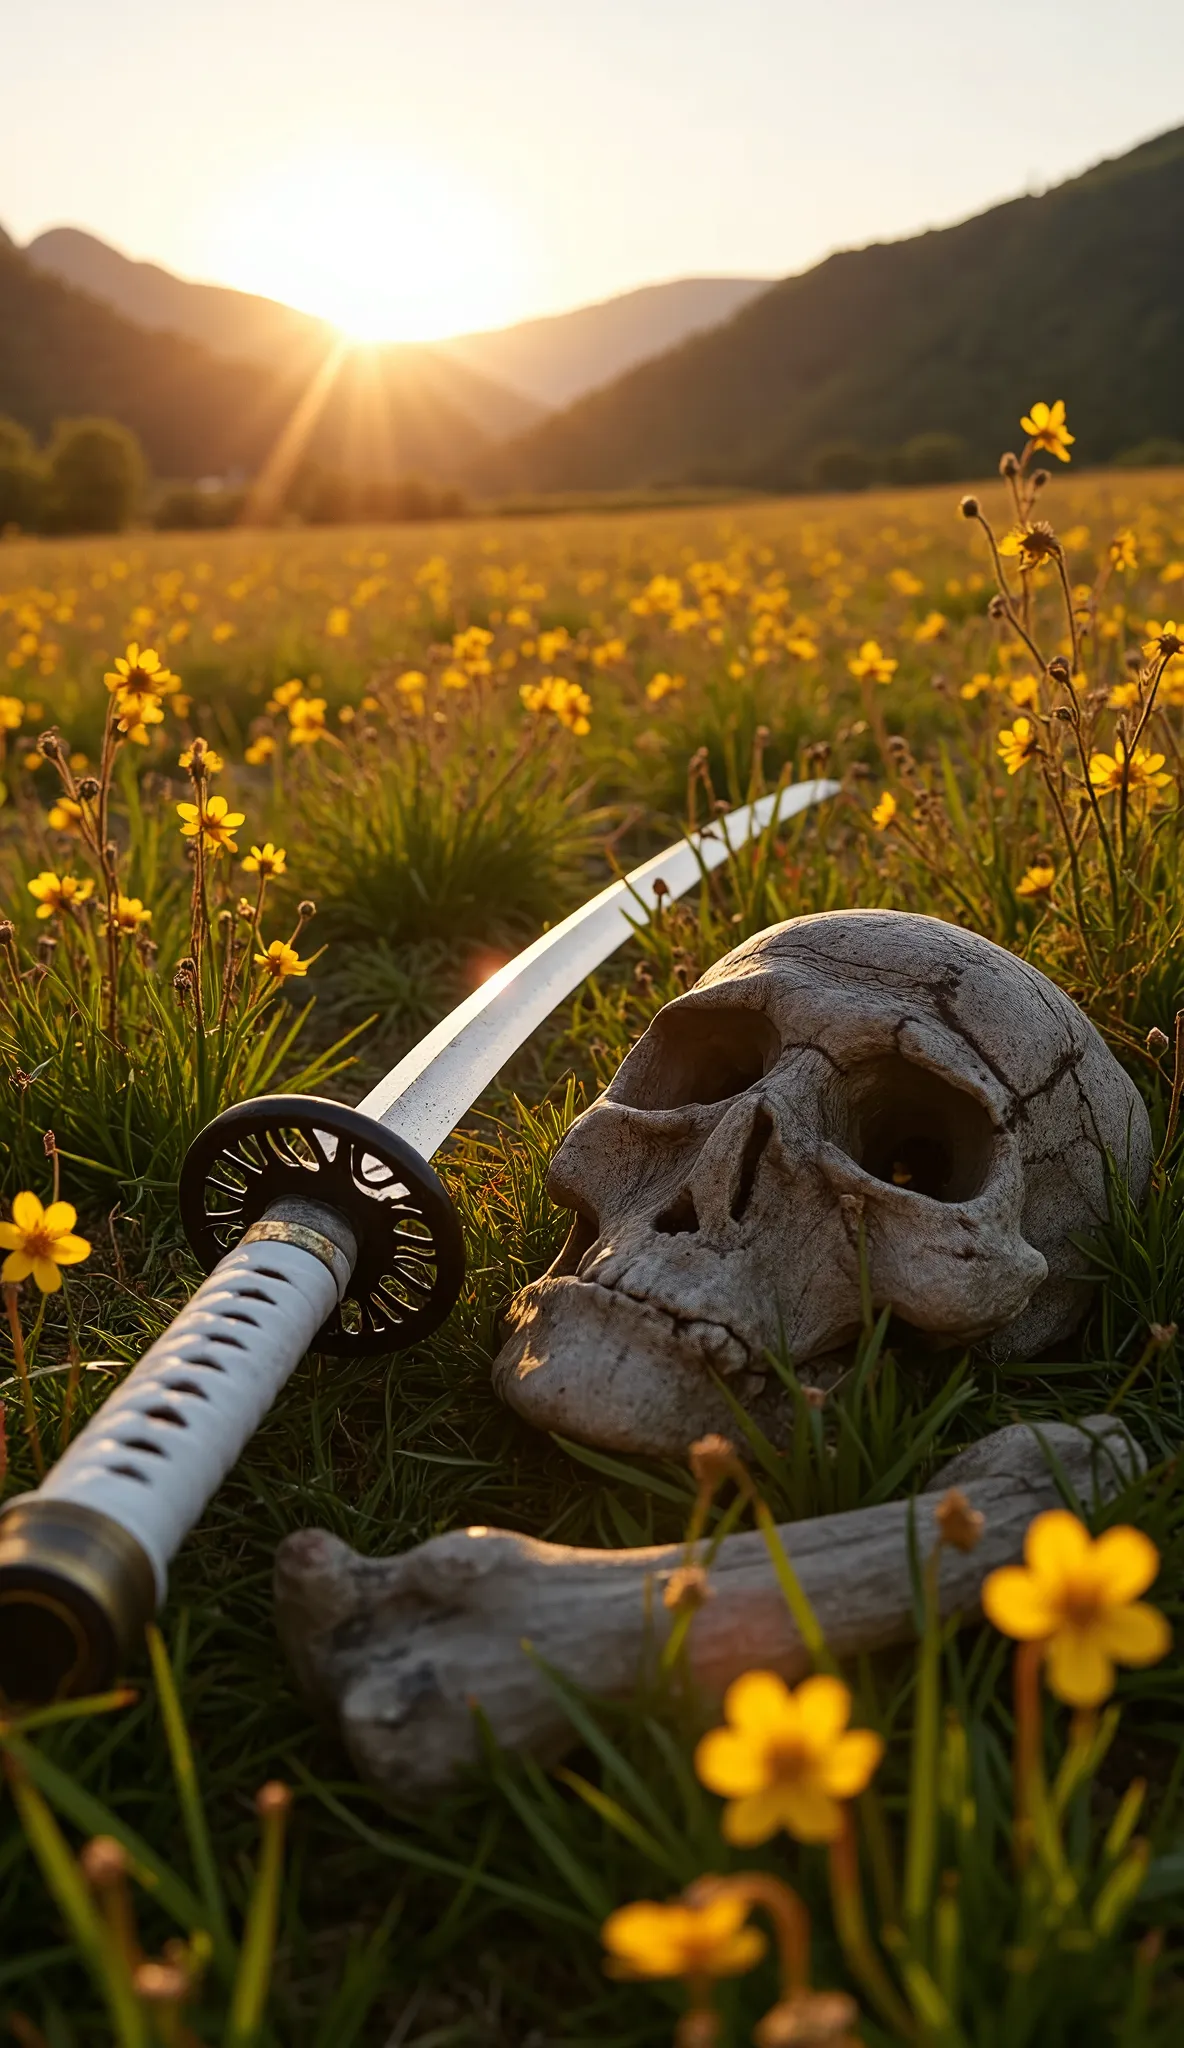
(272,802)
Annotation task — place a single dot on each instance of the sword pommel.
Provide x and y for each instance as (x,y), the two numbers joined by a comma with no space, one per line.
(76,1591)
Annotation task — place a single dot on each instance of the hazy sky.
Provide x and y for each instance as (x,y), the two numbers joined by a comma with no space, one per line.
(417,167)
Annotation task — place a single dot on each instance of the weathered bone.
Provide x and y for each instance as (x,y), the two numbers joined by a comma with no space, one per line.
(860,1085)
(399,1650)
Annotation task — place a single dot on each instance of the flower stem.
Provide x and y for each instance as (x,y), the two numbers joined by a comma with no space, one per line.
(32,1430)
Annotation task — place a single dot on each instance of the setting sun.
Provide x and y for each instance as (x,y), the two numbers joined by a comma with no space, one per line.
(388,247)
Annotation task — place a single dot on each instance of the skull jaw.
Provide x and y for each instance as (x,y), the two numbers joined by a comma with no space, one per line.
(596,1365)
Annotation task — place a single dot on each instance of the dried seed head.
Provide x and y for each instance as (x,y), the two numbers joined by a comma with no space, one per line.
(969,507)
(959,1525)
(997,609)
(88,789)
(1134,661)
(1066,717)
(46,948)
(274,1797)
(161,1983)
(1040,477)
(7,933)
(686,1590)
(661,889)
(711,1459)
(1157,1042)
(1009,465)
(104,1862)
(1162,1334)
(49,744)
(809,2019)
(306,910)
(815,1397)
(1059,670)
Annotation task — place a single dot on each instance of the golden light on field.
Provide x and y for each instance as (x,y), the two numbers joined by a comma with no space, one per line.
(389,247)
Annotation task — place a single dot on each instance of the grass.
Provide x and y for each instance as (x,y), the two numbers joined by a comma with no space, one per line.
(436,825)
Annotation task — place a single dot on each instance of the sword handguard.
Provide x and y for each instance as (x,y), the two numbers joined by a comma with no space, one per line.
(278,1153)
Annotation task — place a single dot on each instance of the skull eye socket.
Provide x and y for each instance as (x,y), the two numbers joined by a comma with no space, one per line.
(692,1056)
(913,1129)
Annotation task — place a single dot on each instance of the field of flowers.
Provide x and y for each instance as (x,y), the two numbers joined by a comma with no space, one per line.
(271,803)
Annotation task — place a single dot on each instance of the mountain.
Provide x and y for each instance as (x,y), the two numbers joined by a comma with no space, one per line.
(377,413)
(261,331)
(558,359)
(1076,294)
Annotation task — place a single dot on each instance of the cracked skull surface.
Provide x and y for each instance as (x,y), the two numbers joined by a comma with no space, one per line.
(862,1088)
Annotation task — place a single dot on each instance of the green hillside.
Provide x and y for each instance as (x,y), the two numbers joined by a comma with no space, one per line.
(1077,294)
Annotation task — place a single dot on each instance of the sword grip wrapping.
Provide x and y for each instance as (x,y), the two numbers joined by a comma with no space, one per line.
(158,1449)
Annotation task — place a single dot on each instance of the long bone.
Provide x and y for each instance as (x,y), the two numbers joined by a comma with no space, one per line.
(398,1651)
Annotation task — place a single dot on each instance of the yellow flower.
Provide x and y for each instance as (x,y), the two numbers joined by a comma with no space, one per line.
(676,1940)
(281,960)
(214,820)
(884,811)
(39,1241)
(11,713)
(871,662)
(1124,550)
(1166,639)
(224,630)
(1033,544)
(411,686)
(306,720)
(58,893)
(1023,689)
(468,647)
(1017,744)
(337,623)
(608,654)
(565,701)
(661,685)
(135,711)
(1045,428)
(259,751)
(931,627)
(975,687)
(1079,1595)
(214,764)
(1143,771)
(904,581)
(1037,880)
(285,694)
(266,860)
(801,646)
(141,671)
(65,815)
(786,1759)
(130,915)
(454,678)
(1123,695)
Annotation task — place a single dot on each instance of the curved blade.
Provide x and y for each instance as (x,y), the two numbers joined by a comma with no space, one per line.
(424,1097)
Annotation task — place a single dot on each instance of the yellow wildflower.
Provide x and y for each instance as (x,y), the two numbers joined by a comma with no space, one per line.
(135,711)
(214,764)
(1032,544)
(338,622)
(1166,639)
(129,915)
(1017,744)
(58,893)
(1023,689)
(884,811)
(259,751)
(455,678)
(281,960)
(608,654)
(786,1759)
(1123,695)
(1045,428)
(411,686)
(1124,550)
(801,646)
(1037,880)
(214,820)
(565,701)
(141,671)
(662,684)
(648,1939)
(266,860)
(285,694)
(975,687)
(872,663)
(12,712)
(1079,1595)
(931,627)
(1144,770)
(306,720)
(40,1241)
(904,581)
(65,815)
(469,648)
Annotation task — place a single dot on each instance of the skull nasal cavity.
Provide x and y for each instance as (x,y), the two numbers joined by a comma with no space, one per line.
(692,1055)
(915,1130)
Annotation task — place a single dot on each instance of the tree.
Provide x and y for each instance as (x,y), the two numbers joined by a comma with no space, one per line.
(96,475)
(22,479)
(930,459)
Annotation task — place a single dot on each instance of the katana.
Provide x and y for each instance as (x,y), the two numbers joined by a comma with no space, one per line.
(319,1226)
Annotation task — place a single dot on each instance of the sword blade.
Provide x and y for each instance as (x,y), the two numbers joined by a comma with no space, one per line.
(425,1096)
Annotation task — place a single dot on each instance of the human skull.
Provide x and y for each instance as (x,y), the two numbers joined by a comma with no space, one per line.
(859,1085)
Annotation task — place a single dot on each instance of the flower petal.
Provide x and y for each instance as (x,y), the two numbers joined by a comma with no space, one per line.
(1126,1562)
(1137,1634)
(1014,1599)
(26,1211)
(17,1267)
(824,1707)
(729,1763)
(1055,1545)
(10,1237)
(852,1763)
(748,1822)
(808,1811)
(1078,1668)
(759,1701)
(46,1275)
(59,1218)
(71,1250)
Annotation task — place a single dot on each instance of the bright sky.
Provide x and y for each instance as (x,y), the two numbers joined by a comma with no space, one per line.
(414,170)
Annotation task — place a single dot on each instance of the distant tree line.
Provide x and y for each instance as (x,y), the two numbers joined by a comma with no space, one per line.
(315,497)
(939,459)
